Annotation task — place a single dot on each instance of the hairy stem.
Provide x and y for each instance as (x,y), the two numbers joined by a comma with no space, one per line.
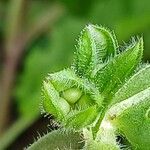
(96,127)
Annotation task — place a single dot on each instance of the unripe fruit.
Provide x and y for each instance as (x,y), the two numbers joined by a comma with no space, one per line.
(72,95)
(65,107)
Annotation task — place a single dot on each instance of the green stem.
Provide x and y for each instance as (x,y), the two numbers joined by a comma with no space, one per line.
(14,22)
(102,111)
(9,67)
(15,130)
(96,127)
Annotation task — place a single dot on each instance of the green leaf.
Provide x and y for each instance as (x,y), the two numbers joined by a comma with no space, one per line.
(137,83)
(131,117)
(95,46)
(119,69)
(59,140)
(82,118)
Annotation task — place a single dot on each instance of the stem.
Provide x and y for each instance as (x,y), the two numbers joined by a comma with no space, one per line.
(11,59)
(96,127)
(14,48)
(14,23)
(44,21)
(15,130)
(102,111)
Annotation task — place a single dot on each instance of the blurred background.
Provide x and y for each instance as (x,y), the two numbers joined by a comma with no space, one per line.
(38,37)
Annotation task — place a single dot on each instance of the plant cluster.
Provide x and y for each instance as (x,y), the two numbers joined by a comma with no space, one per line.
(102,102)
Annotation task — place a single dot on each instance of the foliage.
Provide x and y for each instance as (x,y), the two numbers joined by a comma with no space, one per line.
(103,95)
(126,17)
(120,19)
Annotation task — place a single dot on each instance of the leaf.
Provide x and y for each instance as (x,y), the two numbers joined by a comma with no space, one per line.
(59,140)
(95,46)
(82,118)
(132,118)
(137,83)
(118,69)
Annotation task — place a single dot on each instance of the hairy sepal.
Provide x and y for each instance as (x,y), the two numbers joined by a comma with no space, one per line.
(52,102)
(82,118)
(114,74)
(67,79)
(95,46)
